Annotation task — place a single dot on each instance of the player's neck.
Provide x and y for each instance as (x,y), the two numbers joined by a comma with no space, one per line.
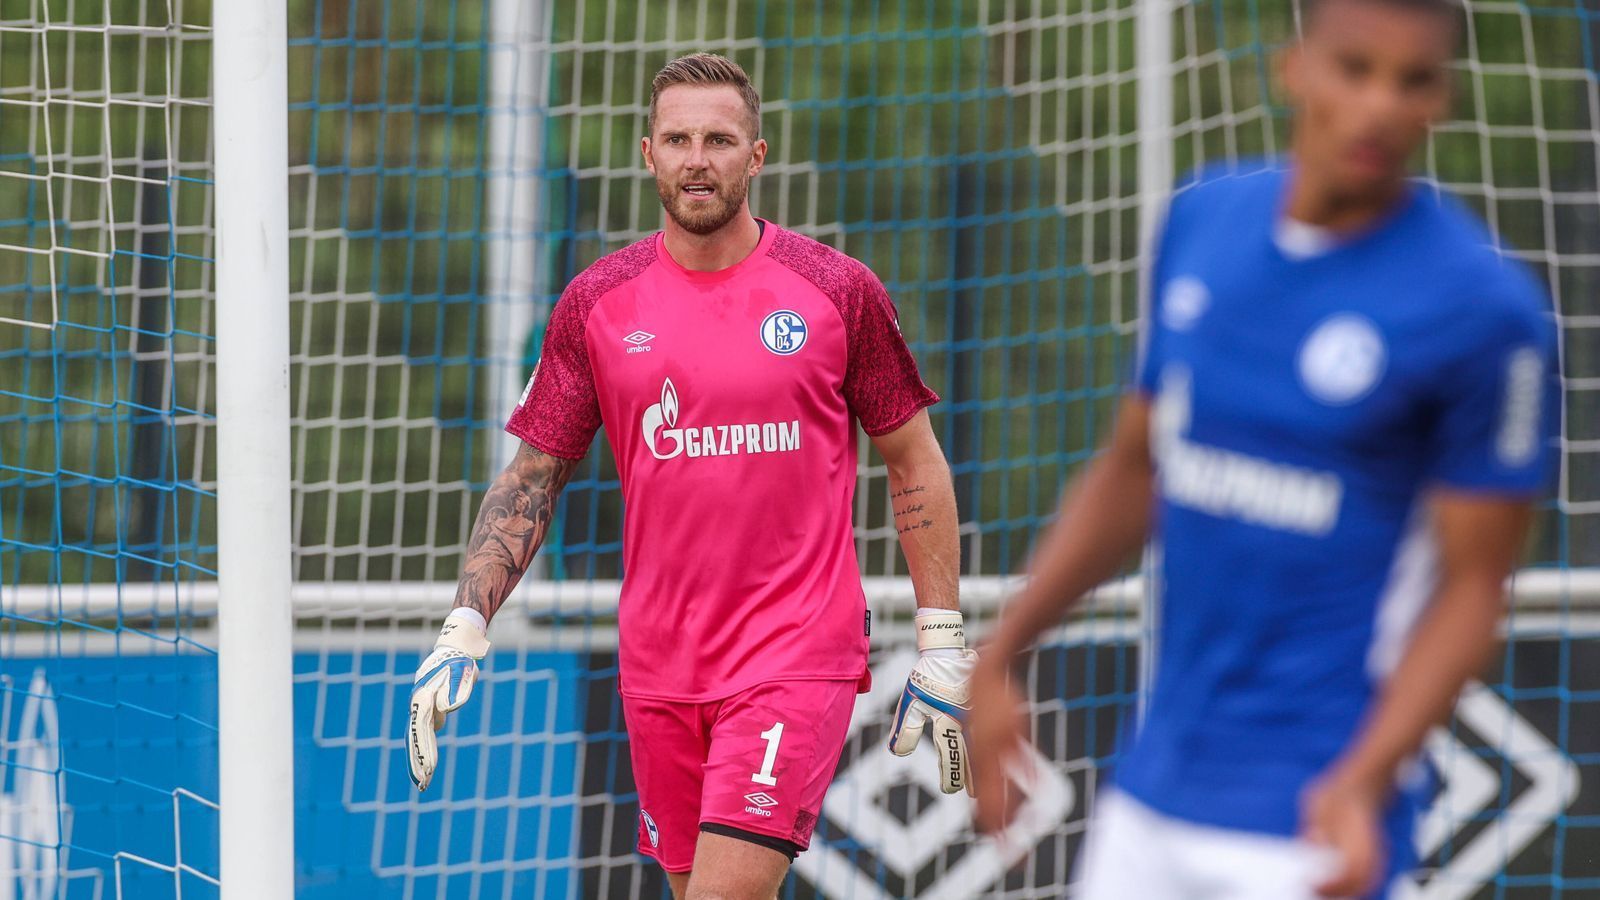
(1314,202)
(727,246)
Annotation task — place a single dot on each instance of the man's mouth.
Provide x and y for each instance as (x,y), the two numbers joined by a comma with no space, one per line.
(698,189)
(1370,154)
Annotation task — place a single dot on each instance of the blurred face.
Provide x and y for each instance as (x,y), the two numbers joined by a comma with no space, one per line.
(1367,82)
(703,155)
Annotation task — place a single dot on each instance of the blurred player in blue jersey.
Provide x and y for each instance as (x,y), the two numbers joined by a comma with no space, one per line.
(1341,421)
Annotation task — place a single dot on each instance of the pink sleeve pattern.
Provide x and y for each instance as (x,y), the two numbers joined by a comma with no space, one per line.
(559,412)
(881,381)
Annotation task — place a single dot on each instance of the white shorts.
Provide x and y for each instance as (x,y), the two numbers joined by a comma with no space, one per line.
(1134,851)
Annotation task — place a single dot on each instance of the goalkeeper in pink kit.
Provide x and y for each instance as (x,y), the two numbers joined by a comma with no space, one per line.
(729,360)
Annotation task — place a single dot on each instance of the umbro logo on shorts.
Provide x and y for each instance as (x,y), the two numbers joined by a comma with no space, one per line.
(760,802)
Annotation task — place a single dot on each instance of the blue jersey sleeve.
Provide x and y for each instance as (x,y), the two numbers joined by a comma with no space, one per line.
(1499,404)
(1149,364)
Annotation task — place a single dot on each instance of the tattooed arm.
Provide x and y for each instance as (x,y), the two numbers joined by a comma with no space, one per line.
(512,522)
(937,691)
(923,501)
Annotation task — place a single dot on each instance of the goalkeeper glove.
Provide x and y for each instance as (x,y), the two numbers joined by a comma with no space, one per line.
(939,690)
(444,682)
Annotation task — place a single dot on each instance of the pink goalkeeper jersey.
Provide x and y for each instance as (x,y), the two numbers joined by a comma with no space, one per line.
(730,399)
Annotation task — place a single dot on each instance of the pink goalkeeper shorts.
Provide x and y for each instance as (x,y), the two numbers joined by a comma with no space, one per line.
(756,763)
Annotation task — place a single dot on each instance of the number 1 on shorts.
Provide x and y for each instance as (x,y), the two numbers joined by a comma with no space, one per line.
(772,736)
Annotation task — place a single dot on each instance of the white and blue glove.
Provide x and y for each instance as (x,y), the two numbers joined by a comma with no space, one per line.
(443,683)
(938,691)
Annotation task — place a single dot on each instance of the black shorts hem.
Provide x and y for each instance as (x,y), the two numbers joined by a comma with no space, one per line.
(787,848)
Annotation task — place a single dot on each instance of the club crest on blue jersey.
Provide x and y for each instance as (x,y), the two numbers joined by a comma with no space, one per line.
(784,332)
(1184,302)
(1342,359)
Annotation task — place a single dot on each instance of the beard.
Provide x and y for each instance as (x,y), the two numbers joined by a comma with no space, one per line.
(703,218)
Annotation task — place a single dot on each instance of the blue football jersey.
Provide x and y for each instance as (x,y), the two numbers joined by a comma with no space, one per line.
(1301,409)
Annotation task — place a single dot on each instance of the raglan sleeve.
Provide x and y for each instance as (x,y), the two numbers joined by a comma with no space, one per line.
(1147,366)
(1497,418)
(559,411)
(881,384)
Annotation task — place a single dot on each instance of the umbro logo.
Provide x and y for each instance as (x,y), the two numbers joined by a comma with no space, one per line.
(639,340)
(760,804)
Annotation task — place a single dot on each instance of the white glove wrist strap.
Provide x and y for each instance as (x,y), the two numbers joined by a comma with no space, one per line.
(468,614)
(462,633)
(940,630)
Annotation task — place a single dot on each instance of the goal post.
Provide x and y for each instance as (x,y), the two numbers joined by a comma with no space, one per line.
(255,625)
(1153,67)
(519,69)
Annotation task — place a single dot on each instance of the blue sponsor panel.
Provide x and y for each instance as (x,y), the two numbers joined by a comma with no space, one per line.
(500,817)
(1501,822)
(101,761)
(108,770)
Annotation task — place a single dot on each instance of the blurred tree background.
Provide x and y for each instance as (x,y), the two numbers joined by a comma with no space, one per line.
(981,157)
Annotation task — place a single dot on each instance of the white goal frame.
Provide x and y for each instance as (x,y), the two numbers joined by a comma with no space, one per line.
(255,630)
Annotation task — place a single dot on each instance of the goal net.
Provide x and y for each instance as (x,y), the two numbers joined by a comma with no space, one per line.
(108,765)
(452,166)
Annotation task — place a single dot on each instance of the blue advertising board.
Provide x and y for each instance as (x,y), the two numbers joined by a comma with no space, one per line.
(108,781)
(108,776)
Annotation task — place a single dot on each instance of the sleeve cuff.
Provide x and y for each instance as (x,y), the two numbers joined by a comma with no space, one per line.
(540,443)
(922,403)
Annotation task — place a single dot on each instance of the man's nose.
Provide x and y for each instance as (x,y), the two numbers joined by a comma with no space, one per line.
(697,158)
(1385,100)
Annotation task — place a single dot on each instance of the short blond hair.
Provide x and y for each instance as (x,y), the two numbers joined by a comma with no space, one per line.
(706,69)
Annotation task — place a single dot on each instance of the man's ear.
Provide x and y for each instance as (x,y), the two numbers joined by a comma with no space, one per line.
(758,157)
(1291,63)
(644,150)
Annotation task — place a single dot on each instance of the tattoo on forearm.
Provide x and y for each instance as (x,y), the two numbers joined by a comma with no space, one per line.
(512,522)
(908,514)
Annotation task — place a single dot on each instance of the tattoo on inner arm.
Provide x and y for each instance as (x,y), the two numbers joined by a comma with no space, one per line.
(908,511)
(512,522)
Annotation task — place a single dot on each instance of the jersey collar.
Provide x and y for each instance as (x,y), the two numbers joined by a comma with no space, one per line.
(769,231)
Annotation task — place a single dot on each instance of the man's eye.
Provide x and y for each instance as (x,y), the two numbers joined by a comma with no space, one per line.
(1419,81)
